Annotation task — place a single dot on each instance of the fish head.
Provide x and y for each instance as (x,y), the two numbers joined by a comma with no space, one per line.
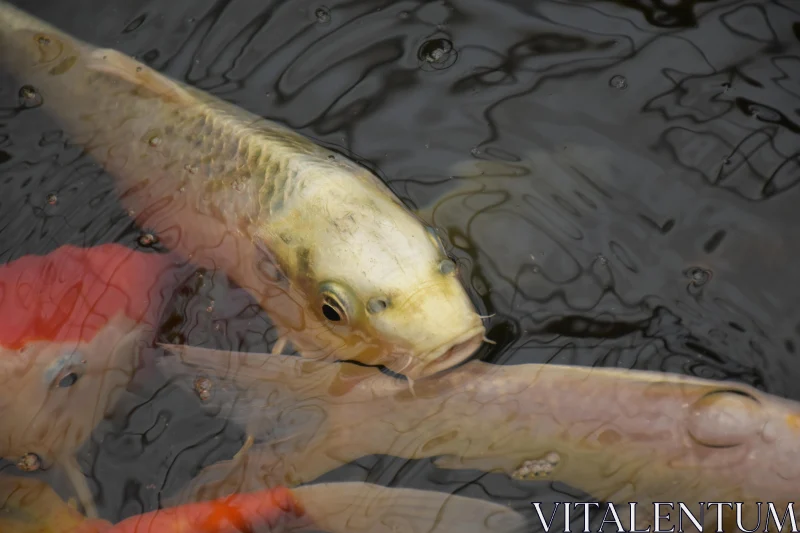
(53,394)
(380,287)
(68,341)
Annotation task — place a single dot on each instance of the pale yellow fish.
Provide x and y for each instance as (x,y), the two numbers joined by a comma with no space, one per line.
(619,435)
(30,506)
(340,265)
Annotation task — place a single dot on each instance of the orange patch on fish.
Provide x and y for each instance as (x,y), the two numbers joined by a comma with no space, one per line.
(793,421)
(238,512)
(71,293)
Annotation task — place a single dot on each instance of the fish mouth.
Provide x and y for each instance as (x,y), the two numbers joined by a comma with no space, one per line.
(448,355)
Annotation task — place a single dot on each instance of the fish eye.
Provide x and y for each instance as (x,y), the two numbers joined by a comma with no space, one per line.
(65,371)
(332,309)
(334,303)
(376,305)
(69,379)
(447,266)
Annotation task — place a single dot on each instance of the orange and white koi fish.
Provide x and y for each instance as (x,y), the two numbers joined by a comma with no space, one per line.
(71,323)
(30,506)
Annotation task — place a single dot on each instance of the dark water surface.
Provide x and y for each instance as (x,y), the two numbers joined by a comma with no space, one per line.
(617,179)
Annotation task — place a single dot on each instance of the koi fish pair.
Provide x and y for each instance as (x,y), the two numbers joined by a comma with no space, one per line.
(345,271)
(620,436)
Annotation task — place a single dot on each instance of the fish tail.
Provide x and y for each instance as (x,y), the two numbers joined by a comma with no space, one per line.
(355,507)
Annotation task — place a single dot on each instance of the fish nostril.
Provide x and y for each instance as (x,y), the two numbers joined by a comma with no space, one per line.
(376,305)
(447,266)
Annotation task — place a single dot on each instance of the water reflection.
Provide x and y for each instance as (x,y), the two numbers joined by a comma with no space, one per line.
(649,228)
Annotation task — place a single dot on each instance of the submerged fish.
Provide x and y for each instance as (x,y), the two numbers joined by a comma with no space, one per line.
(71,323)
(332,255)
(619,435)
(30,506)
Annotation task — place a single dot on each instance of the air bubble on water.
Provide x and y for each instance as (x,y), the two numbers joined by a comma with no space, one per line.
(437,52)
(202,387)
(29,462)
(475,151)
(698,276)
(603,260)
(154,141)
(29,96)
(618,82)
(147,239)
(323,15)
(52,199)
(403,15)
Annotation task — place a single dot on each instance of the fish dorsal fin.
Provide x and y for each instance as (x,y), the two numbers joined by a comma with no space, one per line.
(117,64)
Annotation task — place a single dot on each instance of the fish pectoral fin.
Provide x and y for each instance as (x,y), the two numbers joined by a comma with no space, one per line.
(78,480)
(244,473)
(119,65)
(242,453)
(280,345)
(32,506)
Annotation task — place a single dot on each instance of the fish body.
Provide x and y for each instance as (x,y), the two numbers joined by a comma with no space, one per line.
(30,506)
(621,436)
(265,510)
(71,326)
(342,267)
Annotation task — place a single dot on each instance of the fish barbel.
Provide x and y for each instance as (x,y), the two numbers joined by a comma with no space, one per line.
(619,435)
(341,266)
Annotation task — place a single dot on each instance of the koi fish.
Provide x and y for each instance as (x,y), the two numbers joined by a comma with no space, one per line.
(71,323)
(337,261)
(30,506)
(619,435)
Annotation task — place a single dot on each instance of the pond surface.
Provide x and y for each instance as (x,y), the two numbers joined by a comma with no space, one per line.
(617,178)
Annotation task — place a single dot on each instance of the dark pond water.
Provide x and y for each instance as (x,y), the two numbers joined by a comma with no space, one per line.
(639,210)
